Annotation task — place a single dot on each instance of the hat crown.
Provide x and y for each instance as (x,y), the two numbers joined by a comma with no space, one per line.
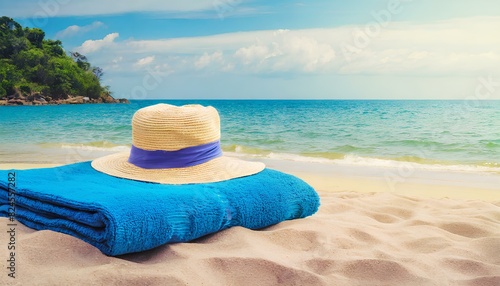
(170,128)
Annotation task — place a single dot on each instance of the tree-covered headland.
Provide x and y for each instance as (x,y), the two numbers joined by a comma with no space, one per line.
(38,70)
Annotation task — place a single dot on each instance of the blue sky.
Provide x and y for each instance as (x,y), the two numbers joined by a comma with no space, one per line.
(360,49)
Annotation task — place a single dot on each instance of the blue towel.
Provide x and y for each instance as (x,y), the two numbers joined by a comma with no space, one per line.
(121,216)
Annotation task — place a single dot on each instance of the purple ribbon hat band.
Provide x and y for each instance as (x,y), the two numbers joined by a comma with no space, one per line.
(187,157)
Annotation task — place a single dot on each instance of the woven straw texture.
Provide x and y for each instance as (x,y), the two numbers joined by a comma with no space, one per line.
(168,127)
(171,128)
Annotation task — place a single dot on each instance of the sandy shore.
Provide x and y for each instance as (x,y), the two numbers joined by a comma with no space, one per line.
(372,229)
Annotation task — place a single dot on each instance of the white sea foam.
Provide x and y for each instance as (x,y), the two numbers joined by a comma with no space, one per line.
(355,160)
(119,148)
(363,161)
(256,154)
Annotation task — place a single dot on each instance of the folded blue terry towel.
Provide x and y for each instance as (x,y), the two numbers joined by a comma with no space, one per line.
(121,216)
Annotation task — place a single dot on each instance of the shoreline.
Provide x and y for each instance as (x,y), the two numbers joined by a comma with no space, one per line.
(31,103)
(328,178)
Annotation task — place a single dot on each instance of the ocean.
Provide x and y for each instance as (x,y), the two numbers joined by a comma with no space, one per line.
(449,135)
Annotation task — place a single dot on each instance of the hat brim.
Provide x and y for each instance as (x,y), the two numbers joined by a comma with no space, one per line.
(216,170)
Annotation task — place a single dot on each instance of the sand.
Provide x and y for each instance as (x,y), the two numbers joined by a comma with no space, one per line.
(419,233)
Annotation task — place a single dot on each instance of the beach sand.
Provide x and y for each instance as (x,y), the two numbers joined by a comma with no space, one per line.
(371,229)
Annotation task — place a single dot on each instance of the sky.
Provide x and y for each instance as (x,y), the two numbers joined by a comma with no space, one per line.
(238,49)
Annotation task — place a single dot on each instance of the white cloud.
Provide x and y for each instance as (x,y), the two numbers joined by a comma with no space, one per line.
(458,47)
(75,29)
(260,51)
(145,61)
(206,59)
(287,51)
(61,8)
(117,60)
(115,63)
(455,47)
(91,46)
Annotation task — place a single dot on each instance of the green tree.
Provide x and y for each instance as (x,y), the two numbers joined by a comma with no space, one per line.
(7,86)
(3,92)
(30,63)
(12,38)
(25,89)
(98,72)
(59,77)
(30,58)
(35,36)
(11,72)
(81,61)
(53,48)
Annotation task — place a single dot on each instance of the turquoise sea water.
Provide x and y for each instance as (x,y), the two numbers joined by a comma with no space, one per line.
(456,135)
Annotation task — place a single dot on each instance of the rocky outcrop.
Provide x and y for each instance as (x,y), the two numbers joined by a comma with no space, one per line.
(38,99)
(16,102)
(73,100)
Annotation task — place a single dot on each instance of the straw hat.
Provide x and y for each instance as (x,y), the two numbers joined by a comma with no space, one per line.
(176,145)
